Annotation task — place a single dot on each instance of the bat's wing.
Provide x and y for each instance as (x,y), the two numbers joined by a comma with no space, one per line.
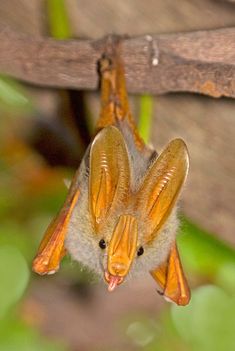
(51,249)
(171,279)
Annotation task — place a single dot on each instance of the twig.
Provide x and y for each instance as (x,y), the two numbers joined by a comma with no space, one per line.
(202,62)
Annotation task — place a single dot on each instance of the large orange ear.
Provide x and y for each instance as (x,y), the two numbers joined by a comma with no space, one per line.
(52,250)
(171,278)
(161,186)
(109,177)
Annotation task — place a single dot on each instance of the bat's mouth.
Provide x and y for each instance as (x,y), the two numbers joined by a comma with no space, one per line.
(112,280)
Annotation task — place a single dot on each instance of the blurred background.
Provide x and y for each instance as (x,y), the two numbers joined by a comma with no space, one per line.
(44,133)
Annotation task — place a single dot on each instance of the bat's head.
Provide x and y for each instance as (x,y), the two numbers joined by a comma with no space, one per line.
(125,220)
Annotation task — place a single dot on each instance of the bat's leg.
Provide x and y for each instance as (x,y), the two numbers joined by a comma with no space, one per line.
(52,250)
(107,82)
(114,99)
(171,278)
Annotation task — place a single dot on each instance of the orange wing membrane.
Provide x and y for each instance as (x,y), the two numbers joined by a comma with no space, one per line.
(171,278)
(52,250)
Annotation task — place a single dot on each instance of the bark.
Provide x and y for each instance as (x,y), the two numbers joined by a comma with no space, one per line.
(200,62)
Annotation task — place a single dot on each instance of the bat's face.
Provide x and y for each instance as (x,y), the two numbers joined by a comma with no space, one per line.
(125,221)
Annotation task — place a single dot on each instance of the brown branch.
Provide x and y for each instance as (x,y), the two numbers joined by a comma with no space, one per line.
(202,62)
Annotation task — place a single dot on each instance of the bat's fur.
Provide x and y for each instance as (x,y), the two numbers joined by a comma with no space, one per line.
(83,243)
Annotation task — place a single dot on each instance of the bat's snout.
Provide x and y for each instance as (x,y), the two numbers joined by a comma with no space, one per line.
(122,250)
(118,268)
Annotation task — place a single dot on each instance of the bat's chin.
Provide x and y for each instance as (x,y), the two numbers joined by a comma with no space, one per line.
(112,280)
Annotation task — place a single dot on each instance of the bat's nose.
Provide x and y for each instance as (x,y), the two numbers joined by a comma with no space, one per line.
(122,247)
(118,268)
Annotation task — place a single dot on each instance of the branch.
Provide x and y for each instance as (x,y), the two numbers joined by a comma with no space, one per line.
(201,62)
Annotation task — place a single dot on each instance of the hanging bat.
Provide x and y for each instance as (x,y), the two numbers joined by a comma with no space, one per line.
(120,215)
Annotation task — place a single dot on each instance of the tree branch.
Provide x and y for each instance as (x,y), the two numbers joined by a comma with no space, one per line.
(201,62)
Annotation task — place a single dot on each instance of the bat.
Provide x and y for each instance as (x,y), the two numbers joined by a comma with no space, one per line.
(120,215)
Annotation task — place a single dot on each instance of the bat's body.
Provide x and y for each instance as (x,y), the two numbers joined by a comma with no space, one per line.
(81,232)
(120,217)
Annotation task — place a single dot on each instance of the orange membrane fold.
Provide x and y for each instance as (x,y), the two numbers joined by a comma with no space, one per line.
(52,249)
(171,278)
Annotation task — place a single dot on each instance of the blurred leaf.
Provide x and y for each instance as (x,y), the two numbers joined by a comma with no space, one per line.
(207,323)
(22,236)
(15,335)
(58,19)
(226,277)
(202,252)
(14,274)
(145,118)
(12,94)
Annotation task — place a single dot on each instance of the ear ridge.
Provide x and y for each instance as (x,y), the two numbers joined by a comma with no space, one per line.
(109,178)
(161,186)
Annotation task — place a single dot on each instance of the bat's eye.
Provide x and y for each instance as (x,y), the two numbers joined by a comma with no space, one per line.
(140,251)
(102,244)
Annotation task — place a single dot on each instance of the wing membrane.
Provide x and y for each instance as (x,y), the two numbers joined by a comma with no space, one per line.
(52,250)
(171,278)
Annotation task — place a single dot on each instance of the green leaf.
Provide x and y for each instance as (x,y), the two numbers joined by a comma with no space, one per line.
(15,335)
(226,277)
(145,118)
(207,323)
(202,252)
(12,94)
(14,275)
(58,19)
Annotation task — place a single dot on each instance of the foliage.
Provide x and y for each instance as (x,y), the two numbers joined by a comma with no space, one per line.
(145,117)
